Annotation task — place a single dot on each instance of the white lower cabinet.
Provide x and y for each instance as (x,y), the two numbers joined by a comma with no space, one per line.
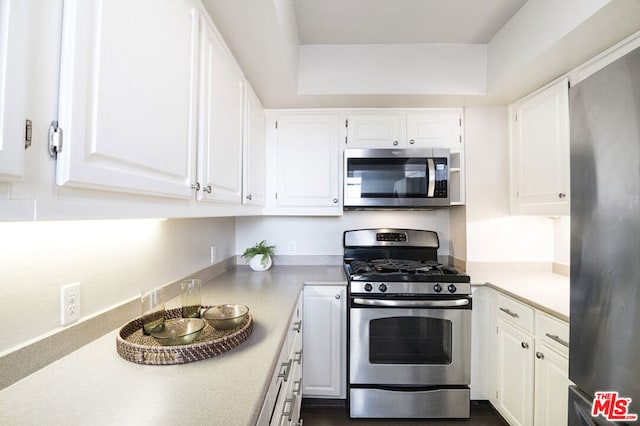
(324,342)
(552,371)
(284,397)
(515,374)
(530,367)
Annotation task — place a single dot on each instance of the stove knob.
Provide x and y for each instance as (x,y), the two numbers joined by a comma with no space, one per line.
(382,287)
(437,288)
(451,288)
(368,287)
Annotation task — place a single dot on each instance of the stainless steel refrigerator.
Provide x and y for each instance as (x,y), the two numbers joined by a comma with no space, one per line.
(605,242)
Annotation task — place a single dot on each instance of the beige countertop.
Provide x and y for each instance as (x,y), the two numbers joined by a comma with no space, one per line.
(94,385)
(543,290)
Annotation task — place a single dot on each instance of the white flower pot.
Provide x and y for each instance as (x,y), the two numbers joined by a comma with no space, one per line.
(256,263)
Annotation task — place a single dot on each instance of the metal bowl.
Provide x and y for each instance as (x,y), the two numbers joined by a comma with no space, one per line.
(178,331)
(225,317)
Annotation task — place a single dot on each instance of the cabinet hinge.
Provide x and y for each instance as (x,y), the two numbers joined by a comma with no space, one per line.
(55,139)
(460,121)
(346,123)
(276,124)
(28,131)
(276,195)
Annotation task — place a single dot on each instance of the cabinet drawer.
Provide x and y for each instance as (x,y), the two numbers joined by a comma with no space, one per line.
(516,313)
(553,332)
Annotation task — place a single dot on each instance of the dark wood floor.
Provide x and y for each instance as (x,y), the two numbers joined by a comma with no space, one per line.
(316,413)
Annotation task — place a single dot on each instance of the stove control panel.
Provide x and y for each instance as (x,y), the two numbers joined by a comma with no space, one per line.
(392,287)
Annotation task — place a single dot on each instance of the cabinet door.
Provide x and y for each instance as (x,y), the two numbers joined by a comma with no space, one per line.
(221,115)
(551,387)
(308,155)
(515,365)
(324,342)
(386,130)
(127,96)
(540,152)
(435,129)
(13,47)
(254,153)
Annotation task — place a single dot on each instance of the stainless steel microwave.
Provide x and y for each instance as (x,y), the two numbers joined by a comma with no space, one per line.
(396,178)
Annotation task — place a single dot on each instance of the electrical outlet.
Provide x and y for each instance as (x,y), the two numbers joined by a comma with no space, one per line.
(70,303)
(214,254)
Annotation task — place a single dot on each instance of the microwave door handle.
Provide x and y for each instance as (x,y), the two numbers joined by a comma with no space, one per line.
(412,303)
(431,168)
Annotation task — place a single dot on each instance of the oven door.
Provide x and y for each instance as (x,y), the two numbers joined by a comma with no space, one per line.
(410,342)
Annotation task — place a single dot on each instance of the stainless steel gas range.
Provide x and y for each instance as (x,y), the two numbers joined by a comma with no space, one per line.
(409,327)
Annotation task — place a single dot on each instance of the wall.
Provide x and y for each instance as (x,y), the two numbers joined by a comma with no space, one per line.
(493,235)
(322,236)
(112,260)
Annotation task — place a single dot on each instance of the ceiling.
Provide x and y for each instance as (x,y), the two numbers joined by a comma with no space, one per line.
(401,21)
(528,43)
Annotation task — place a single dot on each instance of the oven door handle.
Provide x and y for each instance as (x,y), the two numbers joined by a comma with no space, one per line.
(412,303)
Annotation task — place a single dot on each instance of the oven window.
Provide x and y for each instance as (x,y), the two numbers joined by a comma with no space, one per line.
(387,178)
(410,340)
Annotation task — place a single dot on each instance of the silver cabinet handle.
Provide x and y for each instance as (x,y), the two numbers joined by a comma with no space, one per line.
(207,189)
(508,312)
(297,386)
(249,197)
(337,296)
(297,326)
(335,201)
(292,404)
(539,355)
(285,368)
(196,186)
(524,345)
(412,141)
(395,143)
(557,338)
(297,357)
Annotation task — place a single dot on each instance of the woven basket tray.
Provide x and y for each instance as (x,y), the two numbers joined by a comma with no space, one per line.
(134,346)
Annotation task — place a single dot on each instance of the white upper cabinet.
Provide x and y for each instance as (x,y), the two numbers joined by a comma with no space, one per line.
(308,170)
(435,129)
(376,130)
(13,47)
(128,96)
(220,122)
(254,171)
(540,152)
(426,128)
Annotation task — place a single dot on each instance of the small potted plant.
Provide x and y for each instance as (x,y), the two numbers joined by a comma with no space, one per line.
(259,256)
